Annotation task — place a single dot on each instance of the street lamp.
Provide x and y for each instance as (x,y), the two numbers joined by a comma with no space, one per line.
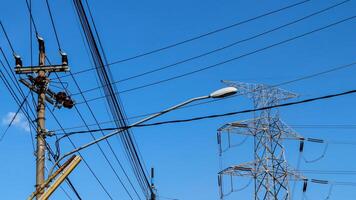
(221,93)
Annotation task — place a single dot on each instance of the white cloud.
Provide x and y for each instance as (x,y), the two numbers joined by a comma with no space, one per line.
(20,121)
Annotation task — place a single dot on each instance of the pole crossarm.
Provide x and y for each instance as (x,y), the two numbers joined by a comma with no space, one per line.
(36,69)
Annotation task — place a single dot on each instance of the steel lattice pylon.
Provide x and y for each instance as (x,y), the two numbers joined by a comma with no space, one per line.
(269,169)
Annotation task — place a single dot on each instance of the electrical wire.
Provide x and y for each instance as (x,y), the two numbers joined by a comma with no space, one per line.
(29,7)
(253,110)
(113,101)
(110,147)
(68,181)
(7,85)
(9,71)
(82,118)
(221,48)
(53,26)
(328,172)
(13,118)
(229,60)
(199,36)
(317,158)
(312,140)
(31,133)
(168,198)
(93,137)
(84,160)
(329,193)
(52,21)
(333,69)
(7,38)
(13,94)
(118,131)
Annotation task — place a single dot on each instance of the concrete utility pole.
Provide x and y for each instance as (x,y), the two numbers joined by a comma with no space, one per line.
(39,85)
(41,131)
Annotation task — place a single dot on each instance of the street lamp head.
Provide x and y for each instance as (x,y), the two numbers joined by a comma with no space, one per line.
(224,92)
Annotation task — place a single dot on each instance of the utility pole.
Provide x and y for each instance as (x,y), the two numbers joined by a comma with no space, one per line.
(41,131)
(39,85)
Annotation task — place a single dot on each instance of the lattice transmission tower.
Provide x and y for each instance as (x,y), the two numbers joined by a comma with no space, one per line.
(269,170)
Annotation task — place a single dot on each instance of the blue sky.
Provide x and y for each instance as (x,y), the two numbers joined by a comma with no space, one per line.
(185,156)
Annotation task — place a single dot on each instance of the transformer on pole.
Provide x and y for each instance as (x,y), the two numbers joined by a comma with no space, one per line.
(269,169)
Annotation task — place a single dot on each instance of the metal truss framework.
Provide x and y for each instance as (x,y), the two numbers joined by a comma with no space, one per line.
(269,169)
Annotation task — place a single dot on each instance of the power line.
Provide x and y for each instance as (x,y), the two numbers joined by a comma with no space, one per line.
(229,60)
(328,126)
(7,38)
(31,49)
(198,36)
(111,148)
(53,26)
(100,148)
(332,172)
(252,110)
(13,118)
(84,160)
(29,7)
(113,101)
(103,153)
(332,69)
(118,131)
(82,118)
(64,191)
(15,97)
(9,71)
(31,122)
(307,139)
(68,181)
(220,48)
(17,86)
(31,133)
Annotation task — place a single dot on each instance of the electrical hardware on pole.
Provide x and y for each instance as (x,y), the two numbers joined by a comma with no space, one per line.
(40,85)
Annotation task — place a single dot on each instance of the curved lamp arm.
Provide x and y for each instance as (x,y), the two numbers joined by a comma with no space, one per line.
(224,92)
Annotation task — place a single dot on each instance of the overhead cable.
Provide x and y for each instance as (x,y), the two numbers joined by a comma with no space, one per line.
(305,77)
(220,48)
(199,36)
(229,60)
(119,131)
